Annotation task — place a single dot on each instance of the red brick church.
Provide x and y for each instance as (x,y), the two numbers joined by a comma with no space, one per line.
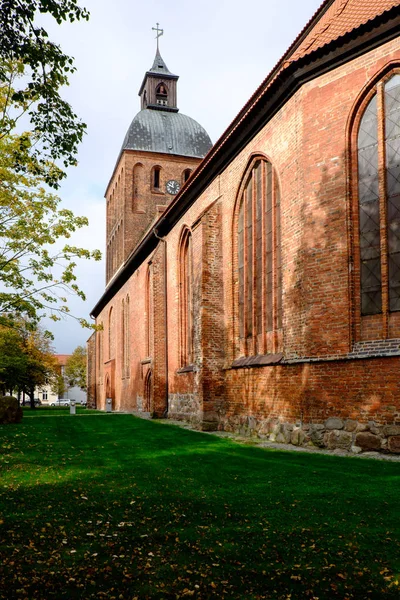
(254,285)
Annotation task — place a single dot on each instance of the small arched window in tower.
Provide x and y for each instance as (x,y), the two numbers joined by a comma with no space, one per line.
(156,178)
(186,174)
(162,94)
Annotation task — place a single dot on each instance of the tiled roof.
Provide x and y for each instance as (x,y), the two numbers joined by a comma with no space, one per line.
(62,358)
(341,17)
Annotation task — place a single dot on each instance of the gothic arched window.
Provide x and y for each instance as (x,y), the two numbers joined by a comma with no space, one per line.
(111,334)
(149,312)
(127,339)
(100,353)
(123,332)
(259,273)
(378,146)
(186,298)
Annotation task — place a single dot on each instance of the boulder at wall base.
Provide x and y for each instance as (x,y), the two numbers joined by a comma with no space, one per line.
(333,423)
(10,410)
(368,441)
(350,425)
(394,444)
(316,433)
(297,437)
(389,430)
(338,440)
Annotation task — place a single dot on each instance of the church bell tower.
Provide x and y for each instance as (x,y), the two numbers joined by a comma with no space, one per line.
(160,150)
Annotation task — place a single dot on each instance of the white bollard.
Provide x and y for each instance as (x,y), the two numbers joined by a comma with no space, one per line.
(72,408)
(109,405)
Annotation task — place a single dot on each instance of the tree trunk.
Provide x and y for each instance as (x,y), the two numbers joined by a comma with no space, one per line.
(32,397)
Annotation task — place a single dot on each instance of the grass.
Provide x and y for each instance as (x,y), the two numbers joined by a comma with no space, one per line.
(111,506)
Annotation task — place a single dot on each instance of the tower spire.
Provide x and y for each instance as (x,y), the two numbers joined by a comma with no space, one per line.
(160,32)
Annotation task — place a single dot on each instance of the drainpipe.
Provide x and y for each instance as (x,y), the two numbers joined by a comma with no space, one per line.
(155,231)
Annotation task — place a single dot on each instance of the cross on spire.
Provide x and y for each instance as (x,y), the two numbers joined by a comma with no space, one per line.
(160,32)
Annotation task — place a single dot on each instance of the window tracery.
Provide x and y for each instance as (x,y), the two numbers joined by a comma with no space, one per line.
(259,271)
(378,205)
(186,298)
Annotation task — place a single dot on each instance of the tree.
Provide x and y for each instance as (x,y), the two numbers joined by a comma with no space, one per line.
(27,360)
(55,128)
(13,360)
(33,278)
(75,369)
(42,365)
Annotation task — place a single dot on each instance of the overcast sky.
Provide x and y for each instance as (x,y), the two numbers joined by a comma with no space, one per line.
(221,50)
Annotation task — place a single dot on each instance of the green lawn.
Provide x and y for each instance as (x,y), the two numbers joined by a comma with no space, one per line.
(110,506)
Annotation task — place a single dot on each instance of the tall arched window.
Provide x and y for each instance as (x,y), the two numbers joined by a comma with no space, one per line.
(378,192)
(111,334)
(186,299)
(123,325)
(259,270)
(100,353)
(149,312)
(127,340)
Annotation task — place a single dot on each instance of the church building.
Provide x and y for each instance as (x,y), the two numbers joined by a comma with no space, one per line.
(254,285)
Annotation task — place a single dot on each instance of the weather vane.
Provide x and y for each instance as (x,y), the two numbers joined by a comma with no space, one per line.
(160,32)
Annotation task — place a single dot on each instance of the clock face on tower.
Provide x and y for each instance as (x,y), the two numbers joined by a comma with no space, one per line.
(172,186)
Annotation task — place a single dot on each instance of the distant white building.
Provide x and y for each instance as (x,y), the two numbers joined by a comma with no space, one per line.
(47,396)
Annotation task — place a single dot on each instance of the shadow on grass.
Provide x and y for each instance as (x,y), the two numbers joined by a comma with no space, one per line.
(100,506)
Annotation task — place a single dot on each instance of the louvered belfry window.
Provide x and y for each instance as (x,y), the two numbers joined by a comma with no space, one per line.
(259,258)
(379,200)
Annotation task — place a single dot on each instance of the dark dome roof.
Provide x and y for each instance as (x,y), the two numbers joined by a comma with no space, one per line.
(167,132)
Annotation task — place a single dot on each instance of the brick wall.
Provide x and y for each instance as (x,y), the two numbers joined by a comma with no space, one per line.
(327,370)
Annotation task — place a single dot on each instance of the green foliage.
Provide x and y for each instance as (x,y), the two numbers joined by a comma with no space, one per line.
(56,129)
(109,506)
(75,369)
(13,359)
(59,386)
(26,359)
(10,411)
(35,278)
